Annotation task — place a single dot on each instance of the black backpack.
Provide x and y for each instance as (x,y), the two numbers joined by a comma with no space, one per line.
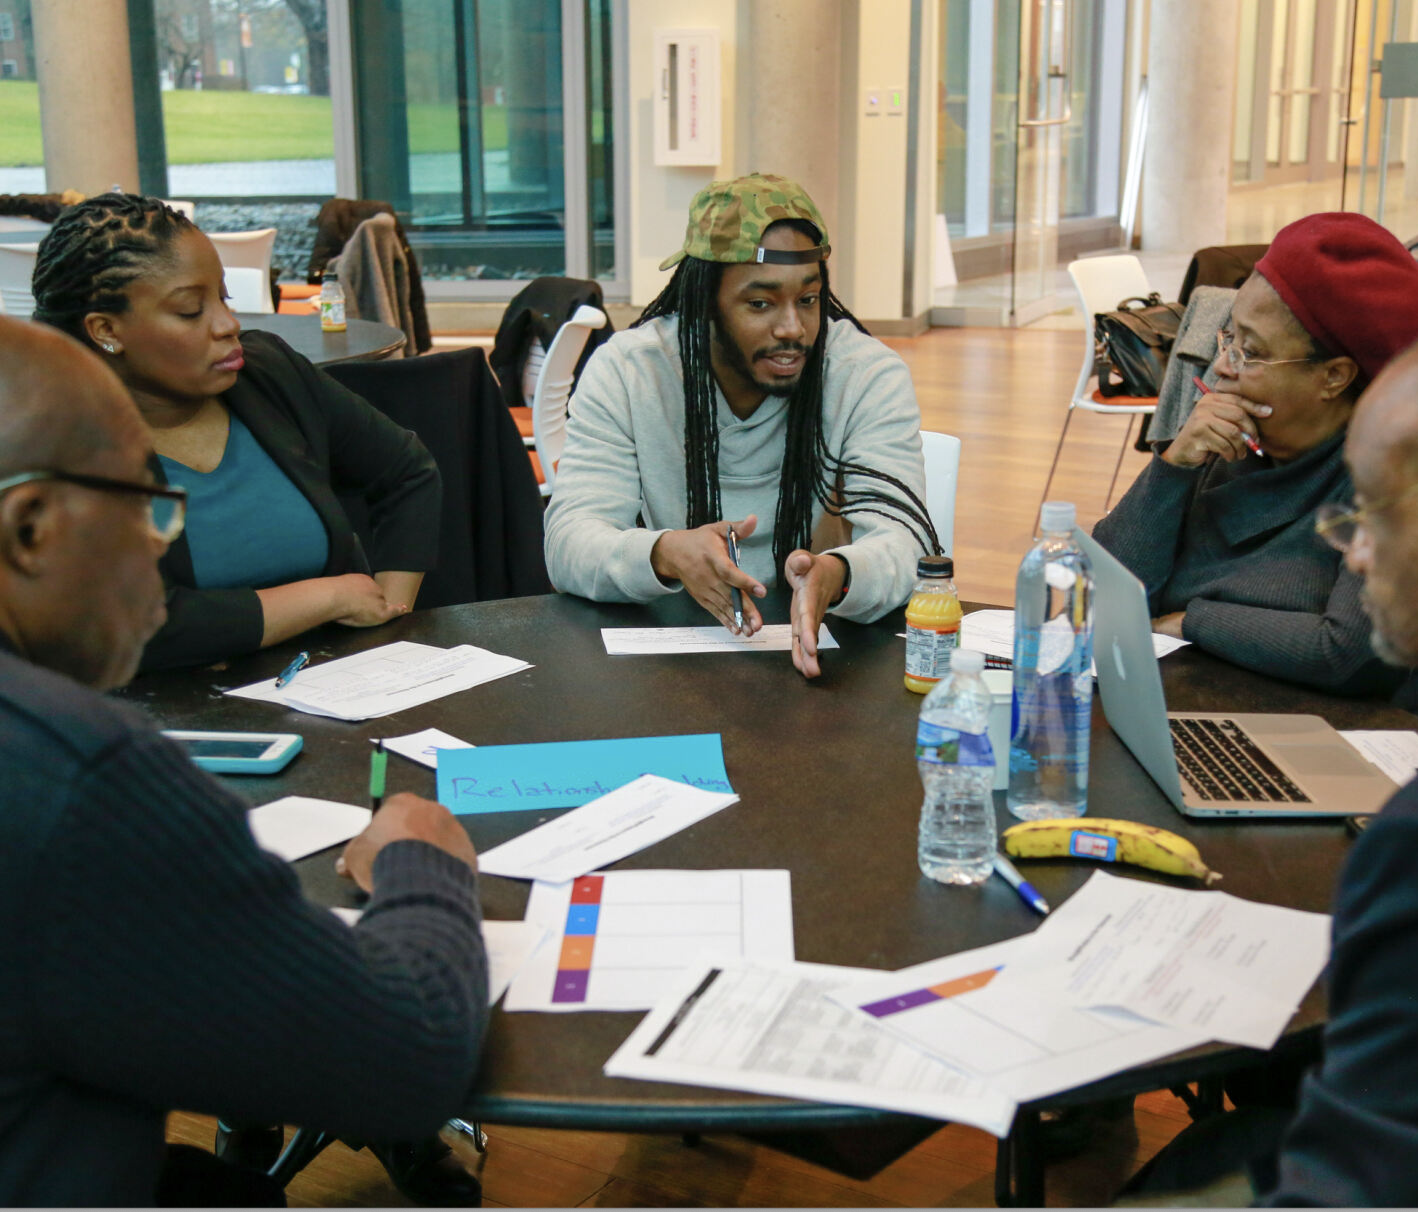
(1134,343)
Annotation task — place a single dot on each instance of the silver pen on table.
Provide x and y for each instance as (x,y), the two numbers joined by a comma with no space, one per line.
(734,590)
(1027,892)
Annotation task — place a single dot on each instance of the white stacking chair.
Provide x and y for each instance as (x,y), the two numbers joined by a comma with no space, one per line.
(1102,283)
(554,389)
(245,249)
(25,224)
(16,276)
(249,290)
(941,452)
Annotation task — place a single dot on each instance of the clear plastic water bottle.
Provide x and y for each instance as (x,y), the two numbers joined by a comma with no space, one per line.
(956,844)
(1053,679)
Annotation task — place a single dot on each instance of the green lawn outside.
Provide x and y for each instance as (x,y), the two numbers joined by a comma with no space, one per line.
(211,127)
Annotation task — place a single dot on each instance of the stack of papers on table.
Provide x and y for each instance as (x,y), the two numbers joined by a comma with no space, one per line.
(390,678)
(1126,972)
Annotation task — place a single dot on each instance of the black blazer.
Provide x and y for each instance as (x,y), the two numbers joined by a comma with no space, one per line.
(328,441)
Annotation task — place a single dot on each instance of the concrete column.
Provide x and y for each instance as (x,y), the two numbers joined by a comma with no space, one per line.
(790,52)
(1191,82)
(85,95)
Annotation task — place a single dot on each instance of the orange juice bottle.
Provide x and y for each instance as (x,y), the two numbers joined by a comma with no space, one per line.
(932,623)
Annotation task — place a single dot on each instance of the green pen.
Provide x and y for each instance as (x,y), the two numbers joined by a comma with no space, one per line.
(378,763)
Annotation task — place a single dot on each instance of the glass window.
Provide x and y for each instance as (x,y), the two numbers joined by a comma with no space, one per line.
(462,129)
(246,129)
(21,151)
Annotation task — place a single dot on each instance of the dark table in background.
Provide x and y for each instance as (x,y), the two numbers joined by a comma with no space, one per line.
(362,340)
(829,790)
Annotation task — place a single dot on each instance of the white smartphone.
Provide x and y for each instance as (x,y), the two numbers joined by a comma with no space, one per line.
(239,752)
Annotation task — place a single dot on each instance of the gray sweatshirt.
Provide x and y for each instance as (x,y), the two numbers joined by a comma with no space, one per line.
(624,459)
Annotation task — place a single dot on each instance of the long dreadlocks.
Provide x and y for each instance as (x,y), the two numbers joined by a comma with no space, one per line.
(811,472)
(94,252)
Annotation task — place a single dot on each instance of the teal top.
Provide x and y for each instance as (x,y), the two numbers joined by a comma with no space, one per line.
(248,525)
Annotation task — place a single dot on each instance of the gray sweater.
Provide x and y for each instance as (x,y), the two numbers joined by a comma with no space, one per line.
(1233,544)
(624,460)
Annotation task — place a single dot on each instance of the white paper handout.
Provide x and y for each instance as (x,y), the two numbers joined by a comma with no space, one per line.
(992,632)
(1026,1047)
(625,820)
(1395,753)
(1203,962)
(508,945)
(616,940)
(297,825)
(383,680)
(423,747)
(643,641)
(772,1030)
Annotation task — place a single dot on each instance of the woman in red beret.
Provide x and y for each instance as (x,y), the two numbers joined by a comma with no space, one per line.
(1220,526)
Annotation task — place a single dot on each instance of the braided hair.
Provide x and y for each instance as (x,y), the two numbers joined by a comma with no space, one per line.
(811,472)
(95,251)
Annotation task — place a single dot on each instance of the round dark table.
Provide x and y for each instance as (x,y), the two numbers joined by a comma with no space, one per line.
(829,790)
(362,340)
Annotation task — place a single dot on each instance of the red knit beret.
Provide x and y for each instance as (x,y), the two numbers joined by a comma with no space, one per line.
(1350,283)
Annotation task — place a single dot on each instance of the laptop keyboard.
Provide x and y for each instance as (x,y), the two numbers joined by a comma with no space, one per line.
(1223,764)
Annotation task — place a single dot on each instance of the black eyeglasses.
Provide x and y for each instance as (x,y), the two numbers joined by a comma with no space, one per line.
(167,507)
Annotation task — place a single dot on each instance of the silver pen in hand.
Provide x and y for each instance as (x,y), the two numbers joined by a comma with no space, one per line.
(734,591)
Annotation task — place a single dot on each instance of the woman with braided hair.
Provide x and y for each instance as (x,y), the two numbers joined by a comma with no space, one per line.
(261,440)
(746,391)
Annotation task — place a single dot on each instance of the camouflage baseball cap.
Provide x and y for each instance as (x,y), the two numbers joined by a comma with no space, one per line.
(727,219)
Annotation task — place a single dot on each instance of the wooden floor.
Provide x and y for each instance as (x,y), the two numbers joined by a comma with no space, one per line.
(1003,394)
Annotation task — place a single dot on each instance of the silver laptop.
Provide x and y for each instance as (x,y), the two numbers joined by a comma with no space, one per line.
(1209,763)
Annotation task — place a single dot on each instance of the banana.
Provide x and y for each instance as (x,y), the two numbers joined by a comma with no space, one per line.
(1111,841)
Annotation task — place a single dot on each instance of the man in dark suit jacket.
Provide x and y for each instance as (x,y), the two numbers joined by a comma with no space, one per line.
(1353,1140)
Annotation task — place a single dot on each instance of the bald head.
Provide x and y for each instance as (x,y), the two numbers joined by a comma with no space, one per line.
(1385,426)
(1382,453)
(60,406)
(80,591)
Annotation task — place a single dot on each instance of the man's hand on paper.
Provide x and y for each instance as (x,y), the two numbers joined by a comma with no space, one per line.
(360,602)
(699,560)
(404,817)
(816,580)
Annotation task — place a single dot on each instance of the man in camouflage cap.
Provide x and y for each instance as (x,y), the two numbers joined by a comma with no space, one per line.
(745,390)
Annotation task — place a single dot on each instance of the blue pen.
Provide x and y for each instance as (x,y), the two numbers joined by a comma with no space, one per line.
(1027,892)
(292,669)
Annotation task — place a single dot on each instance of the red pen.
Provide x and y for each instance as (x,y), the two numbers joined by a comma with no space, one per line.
(1245,437)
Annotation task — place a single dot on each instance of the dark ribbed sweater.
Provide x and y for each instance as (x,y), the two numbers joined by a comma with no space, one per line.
(152,957)
(1234,545)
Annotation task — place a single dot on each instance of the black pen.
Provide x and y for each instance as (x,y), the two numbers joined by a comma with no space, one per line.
(734,589)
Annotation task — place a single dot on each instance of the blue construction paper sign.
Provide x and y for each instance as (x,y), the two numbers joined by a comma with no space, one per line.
(567,774)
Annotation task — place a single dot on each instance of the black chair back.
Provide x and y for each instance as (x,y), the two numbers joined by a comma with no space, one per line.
(490,529)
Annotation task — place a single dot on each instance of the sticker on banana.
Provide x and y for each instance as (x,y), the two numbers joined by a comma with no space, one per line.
(1110,842)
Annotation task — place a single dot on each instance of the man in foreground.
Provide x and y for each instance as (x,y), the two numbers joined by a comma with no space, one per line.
(153,957)
(1354,1135)
(745,397)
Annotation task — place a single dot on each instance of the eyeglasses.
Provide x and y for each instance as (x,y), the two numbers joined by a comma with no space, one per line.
(1238,361)
(1338,524)
(167,507)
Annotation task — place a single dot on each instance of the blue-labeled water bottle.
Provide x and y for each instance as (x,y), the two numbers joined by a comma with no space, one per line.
(1053,678)
(956,844)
